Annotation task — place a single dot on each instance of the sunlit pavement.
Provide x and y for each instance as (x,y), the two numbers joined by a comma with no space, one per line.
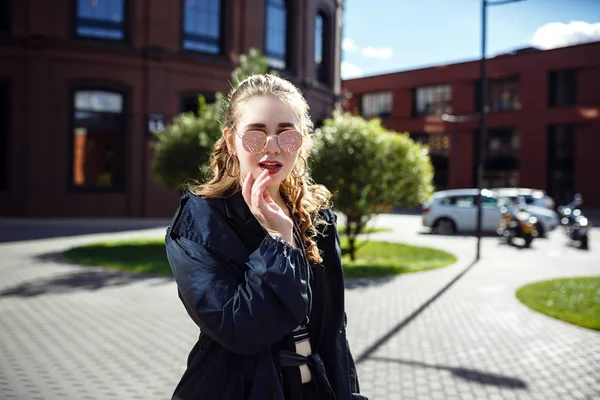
(73,332)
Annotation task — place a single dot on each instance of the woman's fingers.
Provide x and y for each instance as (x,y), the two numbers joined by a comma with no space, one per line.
(247,189)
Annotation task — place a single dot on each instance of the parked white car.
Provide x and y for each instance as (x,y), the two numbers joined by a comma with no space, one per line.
(452,211)
(532,197)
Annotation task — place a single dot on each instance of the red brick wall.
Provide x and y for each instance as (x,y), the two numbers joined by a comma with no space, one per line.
(532,121)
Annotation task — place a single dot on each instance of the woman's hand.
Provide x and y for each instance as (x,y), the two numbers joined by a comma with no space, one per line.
(267,212)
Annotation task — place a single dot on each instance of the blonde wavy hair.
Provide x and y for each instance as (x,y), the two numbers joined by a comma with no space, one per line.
(304,198)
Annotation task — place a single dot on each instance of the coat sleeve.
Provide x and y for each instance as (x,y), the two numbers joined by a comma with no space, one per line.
(352,375)
(248,313)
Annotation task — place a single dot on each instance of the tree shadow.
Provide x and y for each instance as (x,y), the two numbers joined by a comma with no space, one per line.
(84,278)
(21,230)
(359,283)
(473,375)
(406,321)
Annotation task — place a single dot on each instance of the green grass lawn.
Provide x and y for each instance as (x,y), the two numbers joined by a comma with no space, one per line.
(383,258)
(373,259)
(574,300)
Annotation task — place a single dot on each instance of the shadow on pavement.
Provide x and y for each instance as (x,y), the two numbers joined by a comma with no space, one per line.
(20,230)
(357,283)
(402,324)
(472,375)
(78,280)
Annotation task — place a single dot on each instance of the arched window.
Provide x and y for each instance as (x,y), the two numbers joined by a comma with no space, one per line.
(276,34)
(322,48)
(98,139)
(202,26)
(102,19)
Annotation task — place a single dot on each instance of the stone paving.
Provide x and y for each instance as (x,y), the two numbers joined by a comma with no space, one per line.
(73,332)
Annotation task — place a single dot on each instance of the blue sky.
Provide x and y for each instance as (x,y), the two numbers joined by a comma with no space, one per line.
(393,35)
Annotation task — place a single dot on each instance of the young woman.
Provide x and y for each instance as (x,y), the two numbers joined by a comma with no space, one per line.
(256,257)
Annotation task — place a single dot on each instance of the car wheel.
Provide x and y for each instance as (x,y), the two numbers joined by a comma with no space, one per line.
(444,226)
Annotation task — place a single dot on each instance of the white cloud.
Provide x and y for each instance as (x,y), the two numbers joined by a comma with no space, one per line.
(349,45)
(373,52)
(350,71)
(558,34)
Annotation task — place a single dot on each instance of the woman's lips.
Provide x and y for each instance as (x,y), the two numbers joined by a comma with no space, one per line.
(273,168)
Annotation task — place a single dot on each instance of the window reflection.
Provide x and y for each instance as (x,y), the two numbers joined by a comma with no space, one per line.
(276,34)
(202,25)
(376,105)
(433,100)
(104,19)
(98,139)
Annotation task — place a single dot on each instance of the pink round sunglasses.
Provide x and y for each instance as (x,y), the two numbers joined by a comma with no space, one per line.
(255,141)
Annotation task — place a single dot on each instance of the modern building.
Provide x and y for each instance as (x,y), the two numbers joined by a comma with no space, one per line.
(543,118)
(84,82)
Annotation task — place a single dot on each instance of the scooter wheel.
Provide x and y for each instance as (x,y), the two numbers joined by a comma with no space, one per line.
(584,243)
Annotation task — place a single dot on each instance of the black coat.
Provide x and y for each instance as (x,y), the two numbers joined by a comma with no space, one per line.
(246,303)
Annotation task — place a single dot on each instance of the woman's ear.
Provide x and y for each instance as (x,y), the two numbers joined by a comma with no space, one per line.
(230,146)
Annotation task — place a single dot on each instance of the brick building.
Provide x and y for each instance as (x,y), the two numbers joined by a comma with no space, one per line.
(543,120)
(82,82)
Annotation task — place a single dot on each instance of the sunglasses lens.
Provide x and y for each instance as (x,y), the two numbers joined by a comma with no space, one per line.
(254,141)
(290,141)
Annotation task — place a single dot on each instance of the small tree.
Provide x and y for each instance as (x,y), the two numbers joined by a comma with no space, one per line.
(369,170)
(182,151)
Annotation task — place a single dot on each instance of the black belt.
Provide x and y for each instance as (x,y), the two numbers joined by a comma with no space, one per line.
(315,365)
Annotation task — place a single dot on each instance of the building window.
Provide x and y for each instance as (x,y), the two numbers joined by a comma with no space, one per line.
(433,100)
(561,163)
(98,140)
(562,88)
(4,129)
(276,35)
(5,15)
(102,19)
(202,26)
(322,48)
(438,145)
(190,101)
(503,95)
(501,164)
(376,105)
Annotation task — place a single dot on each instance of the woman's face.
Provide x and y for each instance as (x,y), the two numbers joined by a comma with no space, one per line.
(270,115)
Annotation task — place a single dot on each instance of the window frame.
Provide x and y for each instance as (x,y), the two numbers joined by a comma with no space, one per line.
(125,140)
(222,31)
(289,32)
(7,15)
(416,113)
(187,95)
(323,71)
(379,93)
(125,25)
(554,77)
(492,83)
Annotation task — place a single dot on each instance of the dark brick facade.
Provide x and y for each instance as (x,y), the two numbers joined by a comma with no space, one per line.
(44,61)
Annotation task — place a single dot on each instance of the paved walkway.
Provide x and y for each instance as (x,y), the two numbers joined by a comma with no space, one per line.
(72,332)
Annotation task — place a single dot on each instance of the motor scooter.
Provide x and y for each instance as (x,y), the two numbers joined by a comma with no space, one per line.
(575,224)
(516,222)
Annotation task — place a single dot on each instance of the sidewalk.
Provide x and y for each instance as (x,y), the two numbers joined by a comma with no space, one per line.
(73,332)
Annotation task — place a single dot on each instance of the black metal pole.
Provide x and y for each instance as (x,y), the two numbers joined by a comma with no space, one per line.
(482,128)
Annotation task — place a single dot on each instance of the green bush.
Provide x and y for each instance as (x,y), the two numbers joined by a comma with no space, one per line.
(369,169)
(182,151)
